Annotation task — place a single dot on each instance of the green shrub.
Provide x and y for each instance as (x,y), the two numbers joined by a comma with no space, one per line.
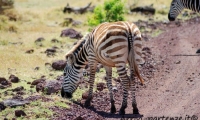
(112,11)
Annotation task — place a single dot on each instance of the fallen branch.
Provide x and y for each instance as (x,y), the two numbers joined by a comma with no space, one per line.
(81,10)
(144,9)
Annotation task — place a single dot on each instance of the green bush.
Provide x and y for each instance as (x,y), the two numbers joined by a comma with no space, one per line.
(112,11)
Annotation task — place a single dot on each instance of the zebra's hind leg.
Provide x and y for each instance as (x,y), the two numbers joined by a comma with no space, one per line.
(93,66)
(109,85)
(133,87)
(134,104)
(125,83)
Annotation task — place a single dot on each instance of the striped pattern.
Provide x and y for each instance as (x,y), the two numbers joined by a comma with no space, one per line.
(178,5)
(112,45)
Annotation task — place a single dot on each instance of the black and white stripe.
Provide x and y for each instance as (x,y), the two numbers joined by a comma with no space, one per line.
(178,5)
(112,45)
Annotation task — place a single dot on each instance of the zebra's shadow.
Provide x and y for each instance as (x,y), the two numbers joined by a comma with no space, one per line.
(109,115)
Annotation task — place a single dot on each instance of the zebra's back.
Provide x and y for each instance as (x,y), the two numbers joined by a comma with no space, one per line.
(111,42)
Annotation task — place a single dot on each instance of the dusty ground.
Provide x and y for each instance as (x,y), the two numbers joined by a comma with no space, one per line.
(173,90)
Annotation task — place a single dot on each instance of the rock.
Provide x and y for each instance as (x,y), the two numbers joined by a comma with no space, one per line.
(18,97)
(36,68)
(4,82)
(2,87)
(52,86)
(2,106)
(198,51)
(50,50)
(85,95)
(79,118)
(178,62)
(35,82)
(14,79)
(49,86)
(29,51)
(19,113)
(40,39)
(18,89)
(100,86)
(40,87)
(59,65)
(2,79)
(28,82)
(73,34)
(15,102)
(54,40)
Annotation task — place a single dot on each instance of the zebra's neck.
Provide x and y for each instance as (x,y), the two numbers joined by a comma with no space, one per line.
(81,56)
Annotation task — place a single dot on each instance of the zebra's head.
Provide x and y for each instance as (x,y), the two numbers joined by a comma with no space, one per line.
(175,8)
(72,76)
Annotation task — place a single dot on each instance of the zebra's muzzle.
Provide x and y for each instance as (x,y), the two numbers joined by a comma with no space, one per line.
(170,18)
(65,94)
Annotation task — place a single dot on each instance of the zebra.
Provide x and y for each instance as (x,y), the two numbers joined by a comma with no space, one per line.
(113,45)
(178,5)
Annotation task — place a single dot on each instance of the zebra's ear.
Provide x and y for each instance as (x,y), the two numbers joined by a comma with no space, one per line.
(70,58)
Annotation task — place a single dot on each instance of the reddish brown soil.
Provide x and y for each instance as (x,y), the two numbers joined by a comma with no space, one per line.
(172,79)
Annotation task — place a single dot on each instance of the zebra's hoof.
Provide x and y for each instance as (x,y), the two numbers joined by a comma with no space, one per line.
(122,112)
(113,109)
(135,111)
(87,104)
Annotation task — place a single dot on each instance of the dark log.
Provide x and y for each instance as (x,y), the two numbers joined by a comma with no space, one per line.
(144,9)
(80,10)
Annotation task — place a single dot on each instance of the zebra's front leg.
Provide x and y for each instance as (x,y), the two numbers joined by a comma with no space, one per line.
(125,83)
(109,85)
(93,66)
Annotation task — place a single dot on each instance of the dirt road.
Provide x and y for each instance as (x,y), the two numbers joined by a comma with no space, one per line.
(175,88)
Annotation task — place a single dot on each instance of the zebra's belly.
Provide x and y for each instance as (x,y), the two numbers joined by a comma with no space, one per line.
(111,59)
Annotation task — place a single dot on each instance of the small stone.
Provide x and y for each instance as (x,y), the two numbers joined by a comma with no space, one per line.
(2,106)
(50,50)
(14,79)
(79,118)
(19,113)
(18,89)
(2,79)
(71,33)
(35,82)
(28,82)
(55,41)
(100,86)
(178,62)
(40,39)
(29,51)
(85,95)
(59,65)
(198,51)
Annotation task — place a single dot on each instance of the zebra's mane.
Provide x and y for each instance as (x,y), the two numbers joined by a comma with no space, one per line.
(77,47)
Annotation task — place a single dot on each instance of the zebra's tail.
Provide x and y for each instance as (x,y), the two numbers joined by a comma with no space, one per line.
(134,65)
(135,54)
